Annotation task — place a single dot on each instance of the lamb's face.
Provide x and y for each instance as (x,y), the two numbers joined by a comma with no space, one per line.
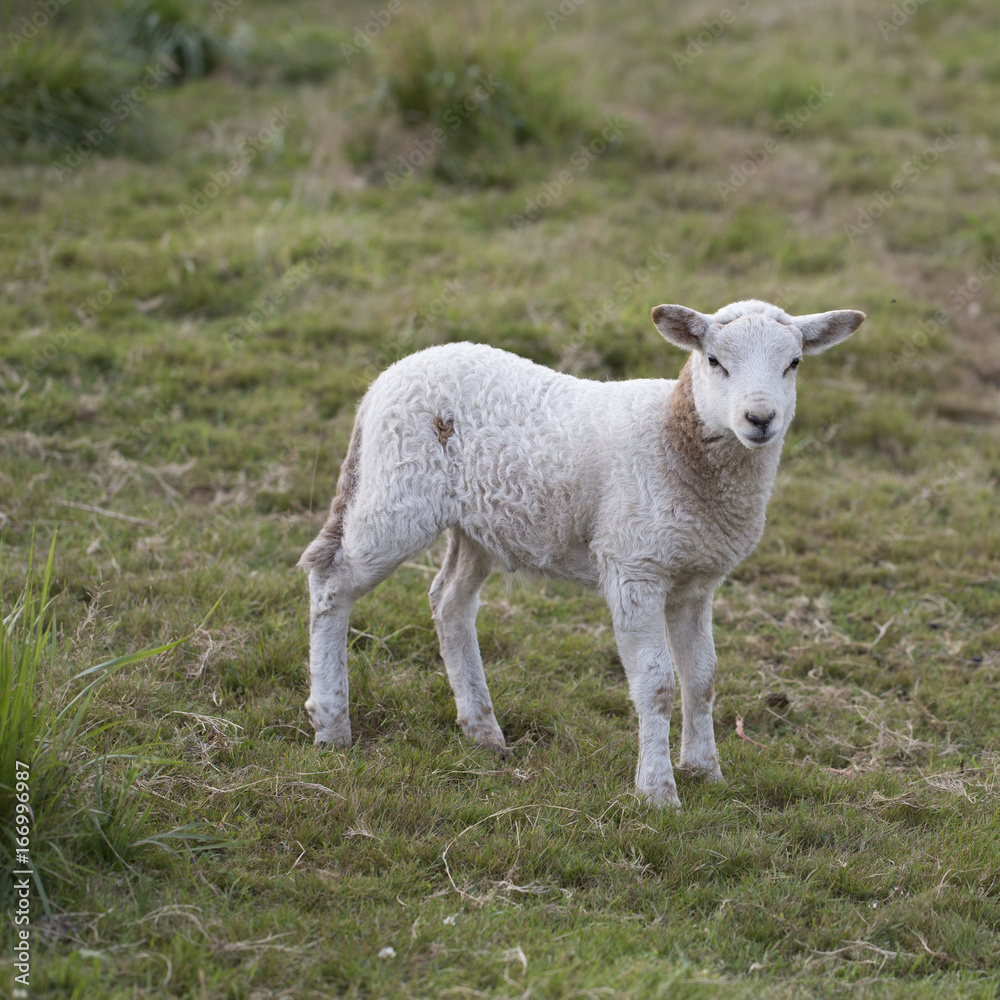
(744,360)
(745,381)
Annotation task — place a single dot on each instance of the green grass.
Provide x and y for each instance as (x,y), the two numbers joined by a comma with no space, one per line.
(56,93)
(61,807)
(188,381)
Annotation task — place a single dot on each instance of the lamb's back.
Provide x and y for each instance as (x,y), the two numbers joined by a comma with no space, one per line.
(524,453)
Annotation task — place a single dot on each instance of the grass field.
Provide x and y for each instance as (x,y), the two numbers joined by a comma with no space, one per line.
(187,327)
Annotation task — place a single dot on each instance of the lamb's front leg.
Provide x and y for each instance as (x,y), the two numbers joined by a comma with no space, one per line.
(642,644)
(693,648)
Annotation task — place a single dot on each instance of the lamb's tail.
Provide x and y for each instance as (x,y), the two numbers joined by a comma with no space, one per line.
(323,549)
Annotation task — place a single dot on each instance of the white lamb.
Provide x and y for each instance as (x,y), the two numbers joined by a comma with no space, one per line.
(649,490)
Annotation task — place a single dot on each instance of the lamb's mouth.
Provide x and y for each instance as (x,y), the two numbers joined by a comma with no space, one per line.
(758,439)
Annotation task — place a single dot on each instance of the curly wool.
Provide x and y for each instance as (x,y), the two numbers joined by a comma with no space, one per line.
(547,472)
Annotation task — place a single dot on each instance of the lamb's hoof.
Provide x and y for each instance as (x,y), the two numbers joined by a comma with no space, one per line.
(711,773)
(500,749)
(485,733)
(663,795)
(331,730)
(662,800)
(331,742)
(491,743)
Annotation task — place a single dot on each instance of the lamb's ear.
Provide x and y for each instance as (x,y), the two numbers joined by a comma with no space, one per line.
(822,330)
(681,326)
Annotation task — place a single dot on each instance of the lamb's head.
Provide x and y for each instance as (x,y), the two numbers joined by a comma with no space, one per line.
(744,360)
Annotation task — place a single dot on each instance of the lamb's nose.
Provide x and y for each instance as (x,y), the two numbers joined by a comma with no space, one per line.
(758,421)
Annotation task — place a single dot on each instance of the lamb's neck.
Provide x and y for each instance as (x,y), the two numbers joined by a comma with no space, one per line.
(717,469)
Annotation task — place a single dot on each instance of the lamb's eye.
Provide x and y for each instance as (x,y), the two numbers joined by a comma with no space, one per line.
(794,364)
(714,363)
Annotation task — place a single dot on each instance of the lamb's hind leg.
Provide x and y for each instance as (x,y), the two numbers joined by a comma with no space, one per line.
(333,591)
(353,553)
(332,594)
(328,703)
(454,599)
(336,581)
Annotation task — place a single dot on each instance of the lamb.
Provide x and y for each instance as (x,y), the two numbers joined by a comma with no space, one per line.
(648,490)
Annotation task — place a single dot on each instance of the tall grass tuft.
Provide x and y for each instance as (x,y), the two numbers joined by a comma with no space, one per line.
(466,108)
(78,811)
(57,89)
(171,32)
(25,643)
(74,85)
